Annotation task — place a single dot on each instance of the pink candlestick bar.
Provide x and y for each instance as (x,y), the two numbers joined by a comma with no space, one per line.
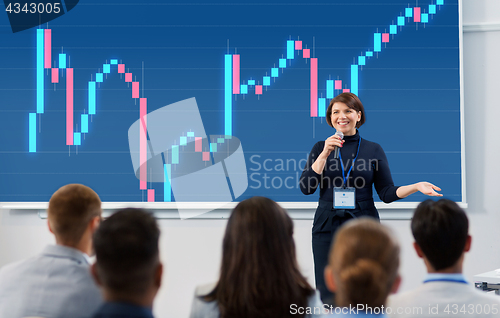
(197,144)
(143,143)
(47,47)
(151,195)
(306,53)
(128,77)
(416,14)
(298,45)
(314,87)
(258,89)
(338,84)
(206,156)
(346,90)
(121,69)
(69,106)
(135,89)
(55,75)
(236,74)
(385,37)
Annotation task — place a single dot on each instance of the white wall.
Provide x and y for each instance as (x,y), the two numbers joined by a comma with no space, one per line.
(191,249)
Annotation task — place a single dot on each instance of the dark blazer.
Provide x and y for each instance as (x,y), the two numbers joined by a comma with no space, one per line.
(123,310)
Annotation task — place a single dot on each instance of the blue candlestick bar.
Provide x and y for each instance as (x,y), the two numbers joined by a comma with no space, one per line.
(377,39)
(183,141)
(243,89)
(77,139)
(85,123)
(62,60)
(322,107)
(329,89)
(290,47)
(213,147)
(354,79)
(32,132)
(175,154)
(167,187)
(92,98)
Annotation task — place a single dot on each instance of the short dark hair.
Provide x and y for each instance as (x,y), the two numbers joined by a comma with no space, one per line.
(126,248)
(71,208)
(441,229)
(352,101)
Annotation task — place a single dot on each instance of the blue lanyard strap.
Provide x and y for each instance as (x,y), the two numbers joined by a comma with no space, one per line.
(352,166)
(461,281)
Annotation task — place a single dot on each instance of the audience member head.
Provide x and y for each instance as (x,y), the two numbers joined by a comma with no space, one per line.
(73,215)
(363,264)
(127,263)
(259,274)
(441,232)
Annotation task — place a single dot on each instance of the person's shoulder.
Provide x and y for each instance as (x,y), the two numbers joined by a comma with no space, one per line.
(483,297)
(315,305)
(205,289)
(11,270)
(407,296)
(202,308)
(318,147)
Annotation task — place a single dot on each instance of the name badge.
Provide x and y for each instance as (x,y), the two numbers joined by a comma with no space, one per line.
(344,198)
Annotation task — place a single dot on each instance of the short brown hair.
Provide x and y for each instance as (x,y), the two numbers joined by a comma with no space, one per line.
(352,101)
(70,210)
(364,260)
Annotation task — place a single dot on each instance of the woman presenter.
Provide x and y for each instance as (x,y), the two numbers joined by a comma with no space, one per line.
(346,182)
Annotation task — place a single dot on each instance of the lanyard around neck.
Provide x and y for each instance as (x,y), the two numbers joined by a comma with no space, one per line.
(352,166)
(452,280)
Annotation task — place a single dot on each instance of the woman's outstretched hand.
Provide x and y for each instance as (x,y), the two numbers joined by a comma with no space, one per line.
(428,188)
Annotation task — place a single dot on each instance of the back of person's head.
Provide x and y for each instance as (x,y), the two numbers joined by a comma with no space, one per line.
(259,274)
(363,264)
(441,230)
(127,255)
(71,208)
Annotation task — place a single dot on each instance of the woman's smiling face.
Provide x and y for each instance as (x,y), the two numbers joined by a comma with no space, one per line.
(344,119)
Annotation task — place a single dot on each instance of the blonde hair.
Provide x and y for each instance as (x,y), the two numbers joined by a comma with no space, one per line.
(364,260)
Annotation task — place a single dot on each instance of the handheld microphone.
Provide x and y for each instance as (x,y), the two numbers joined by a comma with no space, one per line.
(337,149)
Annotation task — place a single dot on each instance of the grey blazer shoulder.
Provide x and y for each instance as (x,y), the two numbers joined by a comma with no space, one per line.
(55,283)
